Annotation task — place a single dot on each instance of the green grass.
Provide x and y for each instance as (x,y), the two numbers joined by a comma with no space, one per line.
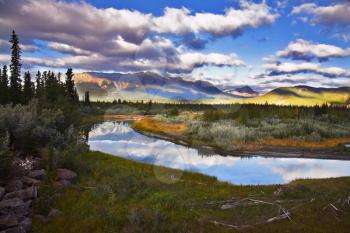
(117,195)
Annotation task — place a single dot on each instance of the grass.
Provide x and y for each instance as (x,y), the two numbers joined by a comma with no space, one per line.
(117,195)
(160,126)
(254,135)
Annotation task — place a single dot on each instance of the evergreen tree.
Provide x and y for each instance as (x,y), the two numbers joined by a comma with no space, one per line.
(87,98)
(39,85)
(15,68)
(28,88)
(70,87)
(4,89)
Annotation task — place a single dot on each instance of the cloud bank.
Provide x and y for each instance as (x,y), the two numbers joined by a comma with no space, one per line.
(307,51)
(127,40)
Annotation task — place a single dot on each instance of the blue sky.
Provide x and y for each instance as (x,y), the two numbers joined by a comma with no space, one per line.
(264,44)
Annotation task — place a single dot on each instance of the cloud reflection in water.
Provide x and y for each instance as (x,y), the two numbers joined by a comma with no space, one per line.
(117,138)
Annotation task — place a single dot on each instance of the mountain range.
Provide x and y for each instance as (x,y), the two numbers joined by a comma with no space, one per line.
(151,86)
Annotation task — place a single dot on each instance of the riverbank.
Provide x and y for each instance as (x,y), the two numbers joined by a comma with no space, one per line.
(118,195)
(282,148)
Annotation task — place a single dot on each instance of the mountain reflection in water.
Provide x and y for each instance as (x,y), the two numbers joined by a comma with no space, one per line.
(118,138)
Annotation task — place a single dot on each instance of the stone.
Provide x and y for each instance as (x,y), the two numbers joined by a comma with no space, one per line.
(30,181)
(2,192)
(54,213)
(29,203)
(26,224)
(65,174)
(37,174)
(14,206)
(14,185)
(61,184)
(8,221)
(24,194)
(14,230)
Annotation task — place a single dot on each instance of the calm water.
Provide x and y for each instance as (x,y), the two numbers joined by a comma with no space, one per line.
(117,138)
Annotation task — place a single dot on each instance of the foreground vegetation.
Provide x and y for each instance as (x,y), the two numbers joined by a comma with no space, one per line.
(117,195)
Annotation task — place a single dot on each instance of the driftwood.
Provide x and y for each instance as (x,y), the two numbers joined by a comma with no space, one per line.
(227,225)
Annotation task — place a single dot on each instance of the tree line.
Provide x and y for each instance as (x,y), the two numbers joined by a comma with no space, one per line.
(48,87)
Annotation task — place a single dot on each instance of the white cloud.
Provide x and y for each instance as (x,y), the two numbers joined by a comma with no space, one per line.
(306,67)
(233,22)
(307,50)
(337,14)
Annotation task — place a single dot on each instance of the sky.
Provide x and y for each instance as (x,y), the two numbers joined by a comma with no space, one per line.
(261,43)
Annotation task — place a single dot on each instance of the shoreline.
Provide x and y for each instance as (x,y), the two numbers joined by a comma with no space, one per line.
(277,153)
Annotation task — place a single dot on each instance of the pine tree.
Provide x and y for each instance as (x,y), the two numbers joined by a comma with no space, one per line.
(15,68)
(28,88)
(70,87)
(39,85)
(4,89)
(87,98)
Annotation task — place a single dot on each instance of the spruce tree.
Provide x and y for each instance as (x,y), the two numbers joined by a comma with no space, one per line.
(39,85)
(4,88)
(28,88)
(15,68)
(70,87)
(87,98)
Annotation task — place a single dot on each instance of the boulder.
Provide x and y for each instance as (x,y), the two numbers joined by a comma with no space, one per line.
(8,221)
(26,224)
(37,174)
(54,213)
(2,192)
(61,184)
(14,230)
(24,194)
(30,181)
(14,185)
(65,174)
(13,206)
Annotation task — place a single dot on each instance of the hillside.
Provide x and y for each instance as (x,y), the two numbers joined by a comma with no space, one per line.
(303,95)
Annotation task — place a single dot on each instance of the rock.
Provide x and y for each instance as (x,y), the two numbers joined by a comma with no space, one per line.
(14,185)
(24,194)
(61,184)
(2,192)
(26,224)
(8,221)
(37,174)
(29,203)
(14,206)
(54,213)
(14,230)
(30,181)
(65,174)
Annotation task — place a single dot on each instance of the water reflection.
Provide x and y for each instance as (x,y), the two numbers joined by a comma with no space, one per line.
(117,138)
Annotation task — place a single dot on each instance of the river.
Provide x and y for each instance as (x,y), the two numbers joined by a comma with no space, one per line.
(119,139)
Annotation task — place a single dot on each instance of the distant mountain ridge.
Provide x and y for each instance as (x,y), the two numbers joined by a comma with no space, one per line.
(146,86)
(304,95)
(245,91)
(150,86)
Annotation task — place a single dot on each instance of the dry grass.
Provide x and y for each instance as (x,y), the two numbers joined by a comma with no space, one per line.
(162,127)
(124,117)
(324,144)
